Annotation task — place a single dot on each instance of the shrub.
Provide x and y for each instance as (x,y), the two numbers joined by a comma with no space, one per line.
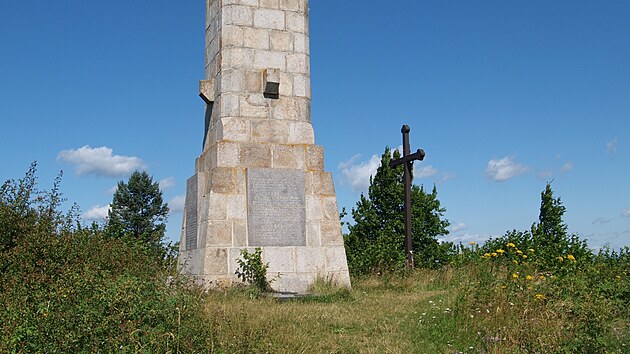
(68,288)
(251,270)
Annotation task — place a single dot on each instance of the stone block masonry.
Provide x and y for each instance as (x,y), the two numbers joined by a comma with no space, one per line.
(260,179)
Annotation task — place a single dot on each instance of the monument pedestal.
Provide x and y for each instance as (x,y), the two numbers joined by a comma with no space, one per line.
(260,180)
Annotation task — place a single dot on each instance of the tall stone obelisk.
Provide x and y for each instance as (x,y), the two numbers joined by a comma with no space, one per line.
(260,180)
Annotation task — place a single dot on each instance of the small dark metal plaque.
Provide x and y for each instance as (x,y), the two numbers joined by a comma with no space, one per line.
(191,213)
(276,212)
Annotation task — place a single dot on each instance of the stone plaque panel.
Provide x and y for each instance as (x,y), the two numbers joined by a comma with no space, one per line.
(191,213)
(276,214)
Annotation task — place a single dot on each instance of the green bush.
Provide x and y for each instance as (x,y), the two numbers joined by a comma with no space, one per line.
(68,288)
(251,270)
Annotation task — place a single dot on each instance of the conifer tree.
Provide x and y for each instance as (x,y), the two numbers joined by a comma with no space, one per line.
(375,242)
(137,211)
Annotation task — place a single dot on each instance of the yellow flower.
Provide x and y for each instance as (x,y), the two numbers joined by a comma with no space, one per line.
(529,277)
(560,258)
(519,251)
(542,277)
(487,255)
(514,276)
(494,254)
(471,243)
(511,245)
(515,261)
(500,251)
(531,250)
(571,258)
(540,296)
(618,277)
(524,256)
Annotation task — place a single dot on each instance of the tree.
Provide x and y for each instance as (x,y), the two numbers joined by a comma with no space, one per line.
(550,235)
(137,211)
(375,242)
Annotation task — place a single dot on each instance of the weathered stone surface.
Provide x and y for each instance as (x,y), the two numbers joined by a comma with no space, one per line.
(255,155)
(254,106)
(310,260)
(214,207)
(291,5)
(232,80)
(265,59)
(323,184)
(331,233)
(237,15)
(223,180)
(271,19)
(301,133)
(296,22)
(269,4)
(300,43)
(281,41)
(312,234)
(237,206)
(239,232)
(233,129)
(298,63)
(269,131)
(216,261)
(276,207)
(313,208)
(240,58)
(227,154)
(288,157)
(336,259)
(218,233)
(315,158)
(233,36)
(330,211)
(301,86)
(191,213)
(256,38)
(281,259)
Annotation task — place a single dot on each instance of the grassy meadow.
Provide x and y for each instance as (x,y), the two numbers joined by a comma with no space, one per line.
(480,307)
(72,288)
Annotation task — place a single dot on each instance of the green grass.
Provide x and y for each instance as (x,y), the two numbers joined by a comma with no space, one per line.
(477,308)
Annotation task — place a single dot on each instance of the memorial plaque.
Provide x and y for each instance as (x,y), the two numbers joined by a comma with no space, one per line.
(191,213)
(276,212)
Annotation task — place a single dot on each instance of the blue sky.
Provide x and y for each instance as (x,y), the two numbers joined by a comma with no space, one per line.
(503,97)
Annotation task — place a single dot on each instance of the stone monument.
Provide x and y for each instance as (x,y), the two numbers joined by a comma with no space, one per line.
(260,179)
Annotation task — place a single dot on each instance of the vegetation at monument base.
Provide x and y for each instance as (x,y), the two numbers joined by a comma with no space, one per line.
(66,287)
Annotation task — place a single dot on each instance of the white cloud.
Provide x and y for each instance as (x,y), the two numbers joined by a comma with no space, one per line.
(459,227)
(100,161)
(176,204)
(97,212)
(424,171)
(358,175)
(601,221)
(465,239)
(611,146)
(566,167)
(626,213)
(166,183)
(504,169)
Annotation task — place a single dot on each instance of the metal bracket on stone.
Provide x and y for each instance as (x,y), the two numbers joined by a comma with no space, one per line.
(271,79)
(206,91)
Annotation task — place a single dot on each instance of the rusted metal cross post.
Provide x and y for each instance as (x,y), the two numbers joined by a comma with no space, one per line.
(407,160)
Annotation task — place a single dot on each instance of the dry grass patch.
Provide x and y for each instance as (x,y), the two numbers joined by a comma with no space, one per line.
(373,318)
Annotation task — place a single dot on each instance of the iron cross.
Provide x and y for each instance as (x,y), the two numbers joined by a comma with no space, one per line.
(407,160)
